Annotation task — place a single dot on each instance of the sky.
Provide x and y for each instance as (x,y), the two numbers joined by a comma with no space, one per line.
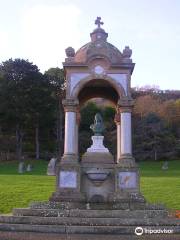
(40,30)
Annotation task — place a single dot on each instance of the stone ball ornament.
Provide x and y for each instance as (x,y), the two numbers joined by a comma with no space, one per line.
(70,52)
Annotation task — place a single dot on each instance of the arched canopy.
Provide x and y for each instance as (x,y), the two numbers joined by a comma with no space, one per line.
(92,87)
(98,89)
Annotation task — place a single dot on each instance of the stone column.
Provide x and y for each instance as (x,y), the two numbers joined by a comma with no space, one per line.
(78,119)
(125,109)
(126,138)
(71,132)
(126,175)
(117,120)
(68,180)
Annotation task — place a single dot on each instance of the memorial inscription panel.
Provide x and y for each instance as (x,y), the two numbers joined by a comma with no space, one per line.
(68,179)
(127,180)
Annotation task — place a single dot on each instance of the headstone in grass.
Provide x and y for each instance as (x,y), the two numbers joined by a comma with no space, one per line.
(21,167)
(51,169)
(29,168)
(165,165)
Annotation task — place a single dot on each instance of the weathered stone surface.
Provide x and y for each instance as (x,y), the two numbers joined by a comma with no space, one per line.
(123,204)
(90,213)
(84,221)
(114,230)
(64,219)
(50,236)
(51,169)
(97,157)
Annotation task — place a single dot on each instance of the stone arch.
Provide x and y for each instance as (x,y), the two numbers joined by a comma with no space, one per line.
(93,78)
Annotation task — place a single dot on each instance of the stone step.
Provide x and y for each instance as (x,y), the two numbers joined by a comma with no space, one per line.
(123,205)
(90,213)
(56,236)
(70,221)
(79,229)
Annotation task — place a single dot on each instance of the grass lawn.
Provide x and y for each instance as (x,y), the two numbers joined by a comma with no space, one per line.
(18,190)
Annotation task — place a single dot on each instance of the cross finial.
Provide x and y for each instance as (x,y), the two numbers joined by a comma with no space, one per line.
(98,22)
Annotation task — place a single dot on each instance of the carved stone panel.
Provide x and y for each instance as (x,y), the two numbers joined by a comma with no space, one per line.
(68,179)
(127,180)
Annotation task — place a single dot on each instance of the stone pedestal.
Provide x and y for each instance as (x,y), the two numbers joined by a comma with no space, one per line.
(98,146)
(97,153)
(97,172)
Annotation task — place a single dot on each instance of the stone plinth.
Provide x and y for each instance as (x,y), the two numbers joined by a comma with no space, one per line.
(97,153)
(98,145)
(97,157)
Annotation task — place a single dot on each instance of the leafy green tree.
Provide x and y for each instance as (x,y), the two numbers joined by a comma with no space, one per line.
(25,97)
(57,80)
(13,97)
(152,138)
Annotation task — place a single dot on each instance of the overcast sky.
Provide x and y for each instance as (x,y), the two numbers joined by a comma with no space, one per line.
(40,30)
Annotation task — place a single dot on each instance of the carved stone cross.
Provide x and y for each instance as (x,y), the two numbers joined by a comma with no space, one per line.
(98,22)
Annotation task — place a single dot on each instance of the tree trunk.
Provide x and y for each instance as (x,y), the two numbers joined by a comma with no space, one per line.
(19,141)
(155,155)
(37,141)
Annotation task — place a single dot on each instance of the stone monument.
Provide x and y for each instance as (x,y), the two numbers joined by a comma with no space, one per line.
(96,194)
(51,169)
(98,69)
(21,167)
(29,168)
(165,165)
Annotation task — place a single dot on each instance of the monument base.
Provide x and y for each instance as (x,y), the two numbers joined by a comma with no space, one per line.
(91,220)
(98,157)
(68,180)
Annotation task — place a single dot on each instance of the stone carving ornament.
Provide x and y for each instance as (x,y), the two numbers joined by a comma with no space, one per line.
(70,52)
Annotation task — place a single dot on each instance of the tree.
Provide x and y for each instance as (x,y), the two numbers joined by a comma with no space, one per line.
(57,80)
(13,98)
(41,107)
(145,105)
(25,98)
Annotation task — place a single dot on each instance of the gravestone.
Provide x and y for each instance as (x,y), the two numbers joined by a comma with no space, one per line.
(51,169)
(21,167)
(29,168)
(165,165)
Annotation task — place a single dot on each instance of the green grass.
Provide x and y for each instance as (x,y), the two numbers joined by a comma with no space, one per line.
(160,186)
(18,190)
